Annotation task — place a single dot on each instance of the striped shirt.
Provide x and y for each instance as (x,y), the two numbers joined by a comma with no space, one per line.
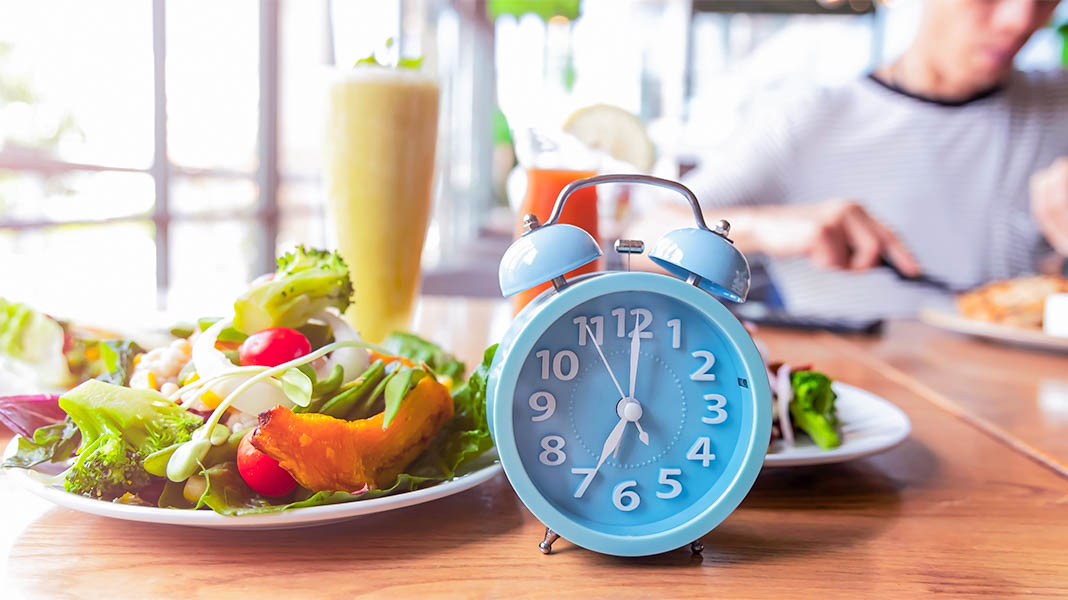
(950,179)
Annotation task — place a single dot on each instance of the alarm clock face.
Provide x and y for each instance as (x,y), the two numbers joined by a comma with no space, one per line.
(634,461)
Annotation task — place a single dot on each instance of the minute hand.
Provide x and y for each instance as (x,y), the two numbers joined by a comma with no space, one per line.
(619,388)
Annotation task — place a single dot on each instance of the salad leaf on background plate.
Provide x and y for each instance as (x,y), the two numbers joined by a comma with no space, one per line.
(35,342)
(812,409)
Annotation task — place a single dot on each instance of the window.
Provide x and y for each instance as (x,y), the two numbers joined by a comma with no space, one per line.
(159,155)
(150,156)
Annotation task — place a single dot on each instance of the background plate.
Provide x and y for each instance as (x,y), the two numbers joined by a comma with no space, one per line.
(1016,336)
(870,425)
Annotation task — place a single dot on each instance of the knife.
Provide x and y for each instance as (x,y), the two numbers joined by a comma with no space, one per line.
(921,279)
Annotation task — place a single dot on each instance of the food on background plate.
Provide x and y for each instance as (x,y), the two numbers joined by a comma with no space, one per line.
(803,403)
(54,354)
(1016,302)
(280,406)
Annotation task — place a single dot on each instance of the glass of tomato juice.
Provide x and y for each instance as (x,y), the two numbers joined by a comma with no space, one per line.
(543,186)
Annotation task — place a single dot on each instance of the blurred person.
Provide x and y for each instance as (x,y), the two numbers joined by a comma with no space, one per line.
(947,162)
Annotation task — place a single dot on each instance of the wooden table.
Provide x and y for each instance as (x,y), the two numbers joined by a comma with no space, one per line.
(1015,394)
(953,510)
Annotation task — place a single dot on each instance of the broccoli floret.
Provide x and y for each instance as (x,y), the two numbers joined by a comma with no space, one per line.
(306,282)
(120,426)
(107,469)
(812,409)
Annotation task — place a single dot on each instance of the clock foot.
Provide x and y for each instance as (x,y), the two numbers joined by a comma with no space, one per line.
(697,547)
(546,545)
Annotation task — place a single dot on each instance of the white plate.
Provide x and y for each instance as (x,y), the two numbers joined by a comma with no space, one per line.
(480,471)
(1016,336)
(869,424)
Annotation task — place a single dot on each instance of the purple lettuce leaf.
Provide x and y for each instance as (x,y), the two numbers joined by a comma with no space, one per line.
(25,414)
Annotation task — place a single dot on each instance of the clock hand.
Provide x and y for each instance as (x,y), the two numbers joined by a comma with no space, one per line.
(619,388)
(642,436)
(635,345)
(612,443)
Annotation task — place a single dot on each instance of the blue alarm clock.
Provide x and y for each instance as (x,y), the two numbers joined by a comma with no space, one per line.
(631,411)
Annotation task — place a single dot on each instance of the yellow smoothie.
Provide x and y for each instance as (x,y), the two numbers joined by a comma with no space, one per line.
(381,133)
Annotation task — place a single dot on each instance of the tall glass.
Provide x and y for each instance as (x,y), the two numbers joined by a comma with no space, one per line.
(381,134)
(543,186)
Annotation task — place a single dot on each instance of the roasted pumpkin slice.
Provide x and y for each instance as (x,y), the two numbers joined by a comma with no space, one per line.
(328,454)
(387,358)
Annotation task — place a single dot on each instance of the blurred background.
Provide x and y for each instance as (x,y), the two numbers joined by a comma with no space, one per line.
(157,155)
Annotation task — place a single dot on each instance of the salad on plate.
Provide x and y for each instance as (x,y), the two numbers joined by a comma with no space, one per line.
(279,406)
(803,403)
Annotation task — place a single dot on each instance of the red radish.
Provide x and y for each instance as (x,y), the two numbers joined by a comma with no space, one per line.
(261,472)
(272,347)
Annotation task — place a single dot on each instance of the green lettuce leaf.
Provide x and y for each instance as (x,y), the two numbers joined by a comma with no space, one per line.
(50,443)
(34,341)
(418,350)
(466,436)
(812,409)
(116,361)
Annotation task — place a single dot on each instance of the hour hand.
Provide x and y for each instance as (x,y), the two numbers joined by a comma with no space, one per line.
(635,349)
(612,444)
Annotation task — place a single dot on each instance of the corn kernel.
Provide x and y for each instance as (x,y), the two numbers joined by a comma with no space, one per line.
(152,383)
(211,399)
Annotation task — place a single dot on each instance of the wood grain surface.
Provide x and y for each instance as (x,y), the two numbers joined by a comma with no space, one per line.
(953,511)
(1017,394)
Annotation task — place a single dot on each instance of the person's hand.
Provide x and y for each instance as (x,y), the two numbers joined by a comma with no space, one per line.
(835,234)
(1049,204)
